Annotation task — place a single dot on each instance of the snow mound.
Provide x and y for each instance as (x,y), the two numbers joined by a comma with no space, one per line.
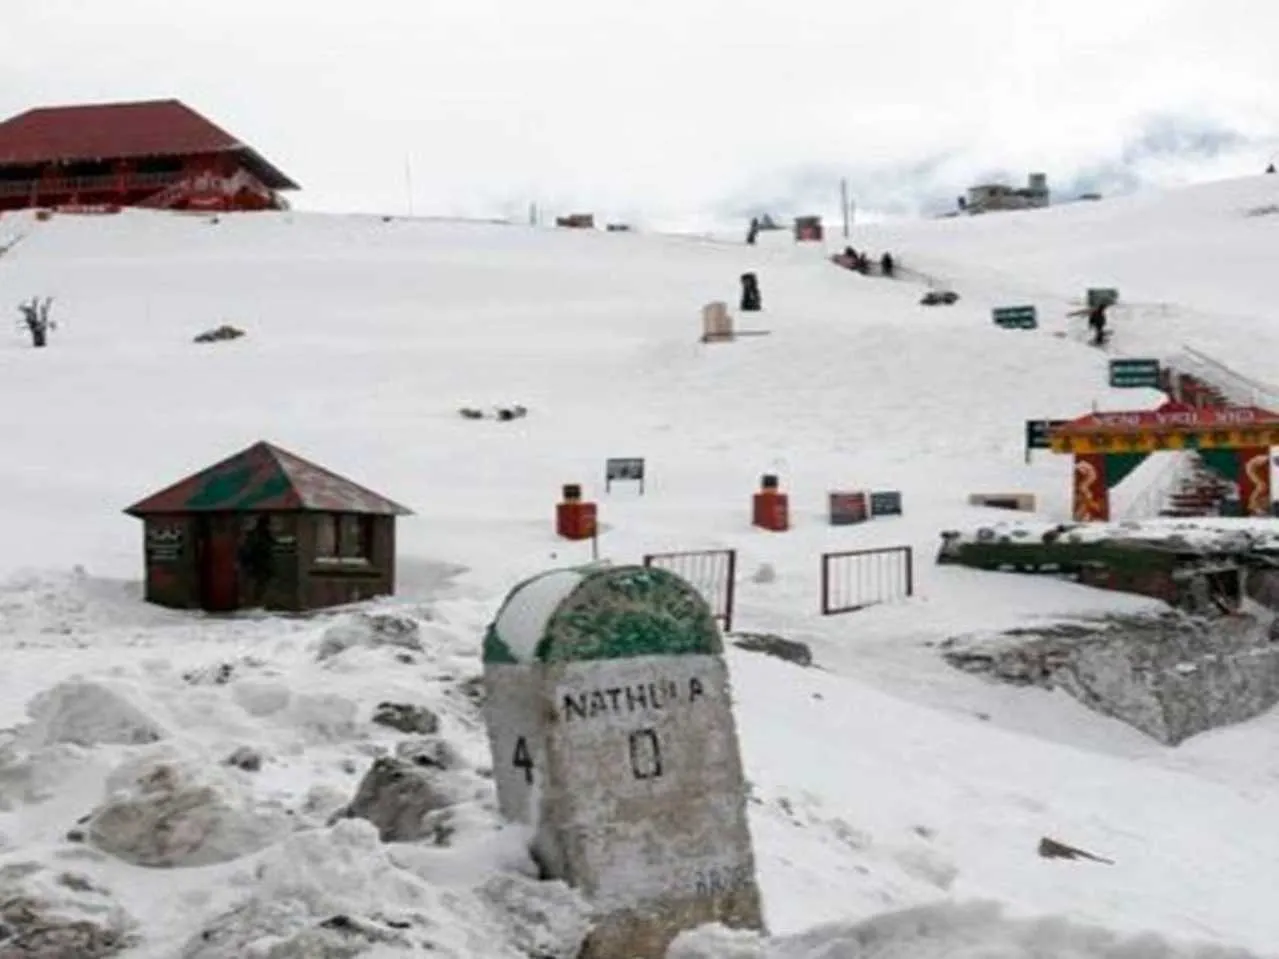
(337,893)
(261,698)
(165,813)
(60,603)
(544,919)
(88,713)
(36,776)
(945,931)
(325,717)
(370,630)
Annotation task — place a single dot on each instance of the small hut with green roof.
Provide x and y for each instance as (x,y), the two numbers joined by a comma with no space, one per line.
(267,528)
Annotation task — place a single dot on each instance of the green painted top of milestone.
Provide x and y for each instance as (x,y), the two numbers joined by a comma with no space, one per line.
(618,612)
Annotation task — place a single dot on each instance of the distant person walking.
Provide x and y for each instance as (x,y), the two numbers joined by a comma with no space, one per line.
(1097,322)
(752,234)
(886,265)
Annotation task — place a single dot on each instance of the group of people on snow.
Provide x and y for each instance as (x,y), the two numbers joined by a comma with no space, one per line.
(850,259)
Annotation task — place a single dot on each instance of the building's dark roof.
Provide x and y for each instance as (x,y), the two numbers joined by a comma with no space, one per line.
(108,131)
(262,479)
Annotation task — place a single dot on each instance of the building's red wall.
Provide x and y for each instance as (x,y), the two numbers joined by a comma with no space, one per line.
(124,186)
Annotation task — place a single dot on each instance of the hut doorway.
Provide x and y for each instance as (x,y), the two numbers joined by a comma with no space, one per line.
(217,543)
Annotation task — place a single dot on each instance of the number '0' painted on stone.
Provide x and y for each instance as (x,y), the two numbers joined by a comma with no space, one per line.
(611,724)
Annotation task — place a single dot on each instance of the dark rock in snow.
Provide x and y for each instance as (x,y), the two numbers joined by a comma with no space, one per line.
(432,752)
(397,796)
(1052,849)
(370,630)
(246,758)
(407,718)
(224,332)
(792,651)
(29,931)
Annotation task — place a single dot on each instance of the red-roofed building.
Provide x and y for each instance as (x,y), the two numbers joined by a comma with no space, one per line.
(155,153)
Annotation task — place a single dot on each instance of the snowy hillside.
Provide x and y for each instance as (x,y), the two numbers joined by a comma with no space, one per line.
(884,781)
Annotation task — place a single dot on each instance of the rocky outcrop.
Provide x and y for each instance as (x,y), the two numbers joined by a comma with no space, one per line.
(1171,676)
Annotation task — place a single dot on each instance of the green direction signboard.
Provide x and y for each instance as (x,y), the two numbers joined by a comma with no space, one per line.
(1102,296)
(1015,317)
(1134,373)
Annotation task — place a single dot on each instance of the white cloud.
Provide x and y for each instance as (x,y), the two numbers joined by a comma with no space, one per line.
(667,105)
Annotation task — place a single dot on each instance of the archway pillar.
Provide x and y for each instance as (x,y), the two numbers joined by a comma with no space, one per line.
(1091,495)
(1253,477)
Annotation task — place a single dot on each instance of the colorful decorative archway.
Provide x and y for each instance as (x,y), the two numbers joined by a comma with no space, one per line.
(1109,446)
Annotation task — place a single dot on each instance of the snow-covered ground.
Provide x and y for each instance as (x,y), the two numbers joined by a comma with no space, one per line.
(883,781)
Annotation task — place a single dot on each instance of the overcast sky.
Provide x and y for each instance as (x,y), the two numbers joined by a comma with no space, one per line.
(670,109)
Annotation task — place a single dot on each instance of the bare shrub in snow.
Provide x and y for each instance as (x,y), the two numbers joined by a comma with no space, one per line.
(87,713)
(164,814)
(36,321)
(369,630)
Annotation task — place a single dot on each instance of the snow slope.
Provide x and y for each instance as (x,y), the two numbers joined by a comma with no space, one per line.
(884,782)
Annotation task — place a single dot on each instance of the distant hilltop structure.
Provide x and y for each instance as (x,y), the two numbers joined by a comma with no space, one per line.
(992,197)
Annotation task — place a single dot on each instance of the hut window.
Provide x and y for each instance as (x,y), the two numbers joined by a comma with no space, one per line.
(326,536)
(355,539)
(344,537)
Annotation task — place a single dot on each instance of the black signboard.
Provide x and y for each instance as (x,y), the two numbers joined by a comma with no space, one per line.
(886,503)
(848,508)
(623,468)
(1037,434)
(164,544)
